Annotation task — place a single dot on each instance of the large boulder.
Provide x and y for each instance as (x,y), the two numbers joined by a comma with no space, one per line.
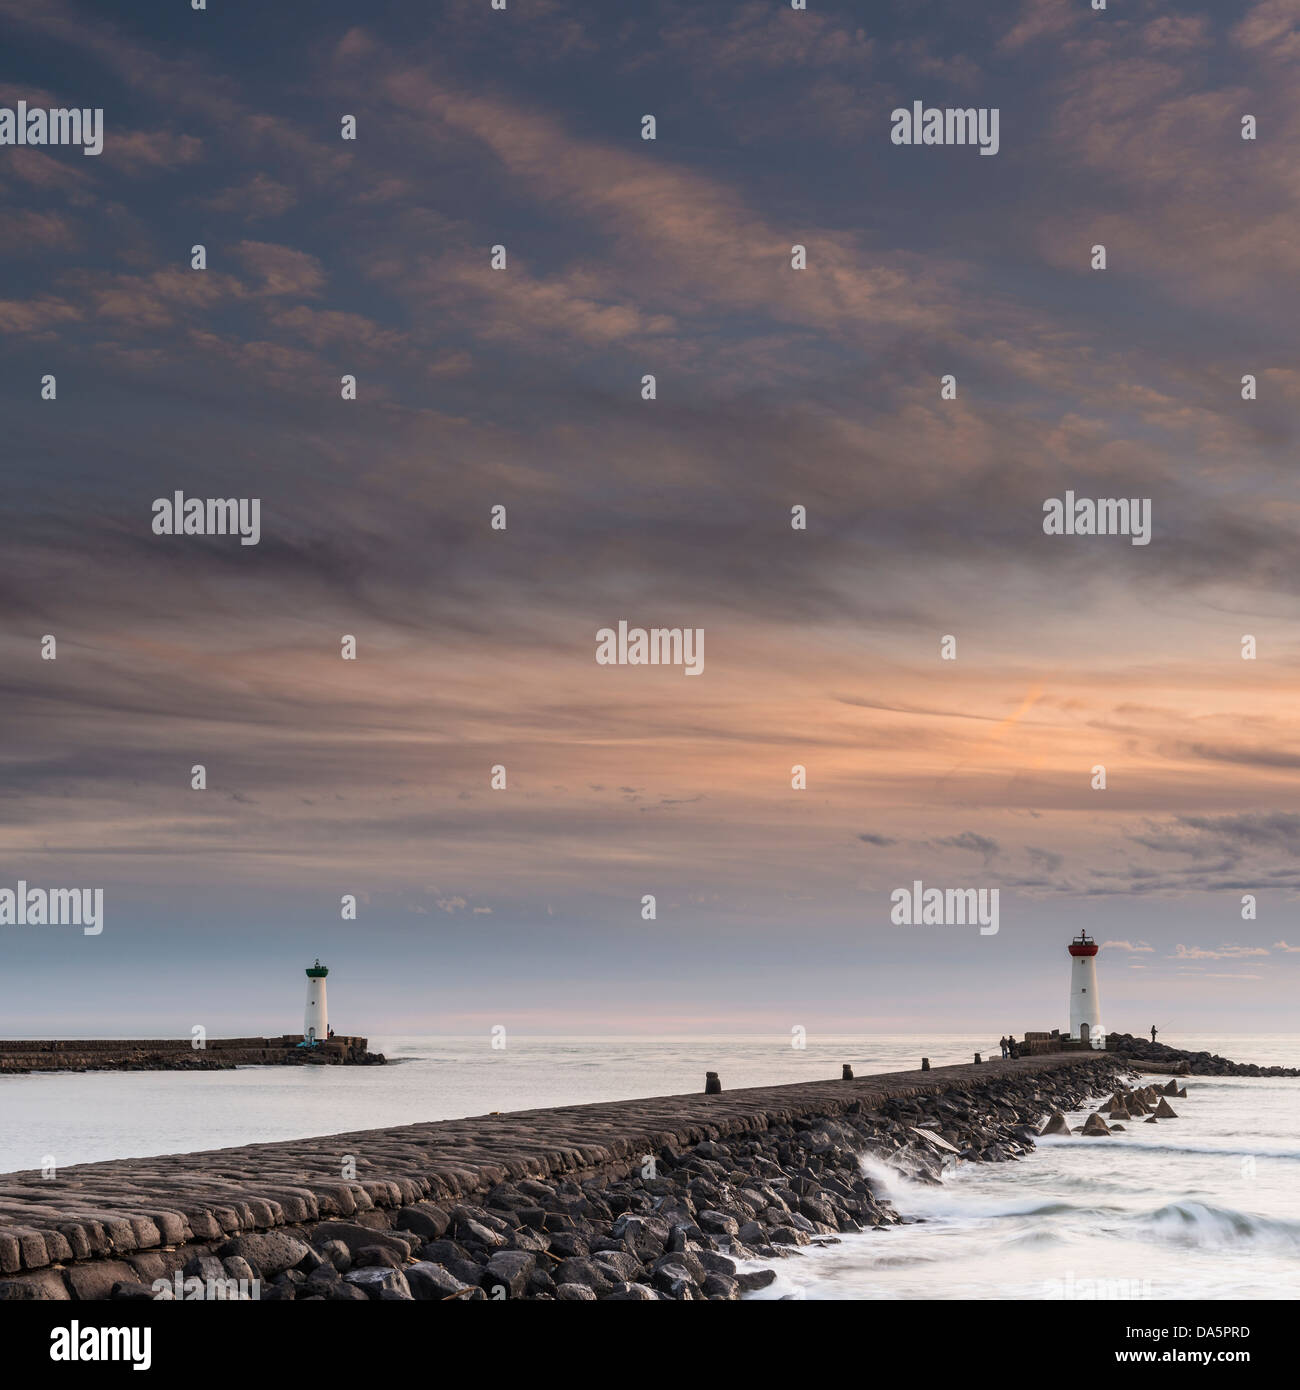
(370,1256)
(1094,1126)
(510,1270)
(574,1293)
(355,1237)
(430,1282)
(96,1279)
(586,1272)
(1056,1124)
(383,1285)
(425,1220)
(269,1252)
(718,1223)
(1165,1111)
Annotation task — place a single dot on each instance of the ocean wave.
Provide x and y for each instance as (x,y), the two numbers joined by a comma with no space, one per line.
(1212,1150)
(951,1201)
(1202,1226)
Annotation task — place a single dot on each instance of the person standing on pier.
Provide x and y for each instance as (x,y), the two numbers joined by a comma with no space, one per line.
(1002,1043)
(1153,1032)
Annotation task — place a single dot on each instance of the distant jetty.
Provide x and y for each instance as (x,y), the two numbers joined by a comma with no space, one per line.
(1156,1056)
(179,1054)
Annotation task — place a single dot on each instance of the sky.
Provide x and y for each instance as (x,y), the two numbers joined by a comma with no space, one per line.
(775,389)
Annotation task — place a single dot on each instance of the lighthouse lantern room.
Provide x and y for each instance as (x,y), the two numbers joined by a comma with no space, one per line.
(1085,1002)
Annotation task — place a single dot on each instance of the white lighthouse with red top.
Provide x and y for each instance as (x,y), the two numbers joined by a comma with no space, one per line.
(1085,1002)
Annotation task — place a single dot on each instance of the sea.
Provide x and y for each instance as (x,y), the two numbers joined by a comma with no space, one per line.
(1205,1206)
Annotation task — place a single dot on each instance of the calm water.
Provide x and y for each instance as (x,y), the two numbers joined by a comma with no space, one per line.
(1205,1206)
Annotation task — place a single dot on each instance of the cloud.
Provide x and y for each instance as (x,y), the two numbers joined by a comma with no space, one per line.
(257,199)
(969,840)
(151,151)
(1182,952)
(281,269)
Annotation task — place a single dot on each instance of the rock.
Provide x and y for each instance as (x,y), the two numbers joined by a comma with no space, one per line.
(647,1234)
(1056,1124)
(381,1284)
(441,1251)
(712,1086)
(1165,1111)
(1117,1129)
(269,1252)
(425,1220)
(939,1143)
(1094,1125)
(508,1269)
(718,1223)
(619,1266)
(206,1267)
(355,1236)
(238,1268)
(467,1271)
(756,1279)
(1170,1089)
(721,1286)
(376,1256)
(429,1281)
(674,1280)
(96,1280)
(585,1272)
(476,1233)
(45,1287)
(574,1293)
(343,1292)
(1150,1120)
(631,1293)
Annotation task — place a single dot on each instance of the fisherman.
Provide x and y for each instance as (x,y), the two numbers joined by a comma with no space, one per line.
(1002,1043)
(1153,1032)
(1012,1049)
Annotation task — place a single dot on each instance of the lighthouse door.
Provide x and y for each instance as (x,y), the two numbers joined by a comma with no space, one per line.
(1085,1032)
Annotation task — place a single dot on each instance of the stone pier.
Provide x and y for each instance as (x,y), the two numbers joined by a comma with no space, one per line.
(73,1235)
(176,1054)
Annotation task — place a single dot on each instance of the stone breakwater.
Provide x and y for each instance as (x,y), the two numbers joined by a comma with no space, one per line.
(179,1054)
(633,1200)
(1143,1050)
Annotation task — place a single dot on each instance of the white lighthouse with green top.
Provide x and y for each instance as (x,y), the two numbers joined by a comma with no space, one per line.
(315,1026)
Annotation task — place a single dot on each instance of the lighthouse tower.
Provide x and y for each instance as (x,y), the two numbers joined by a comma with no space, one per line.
(1085,1002)
(315,1026)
